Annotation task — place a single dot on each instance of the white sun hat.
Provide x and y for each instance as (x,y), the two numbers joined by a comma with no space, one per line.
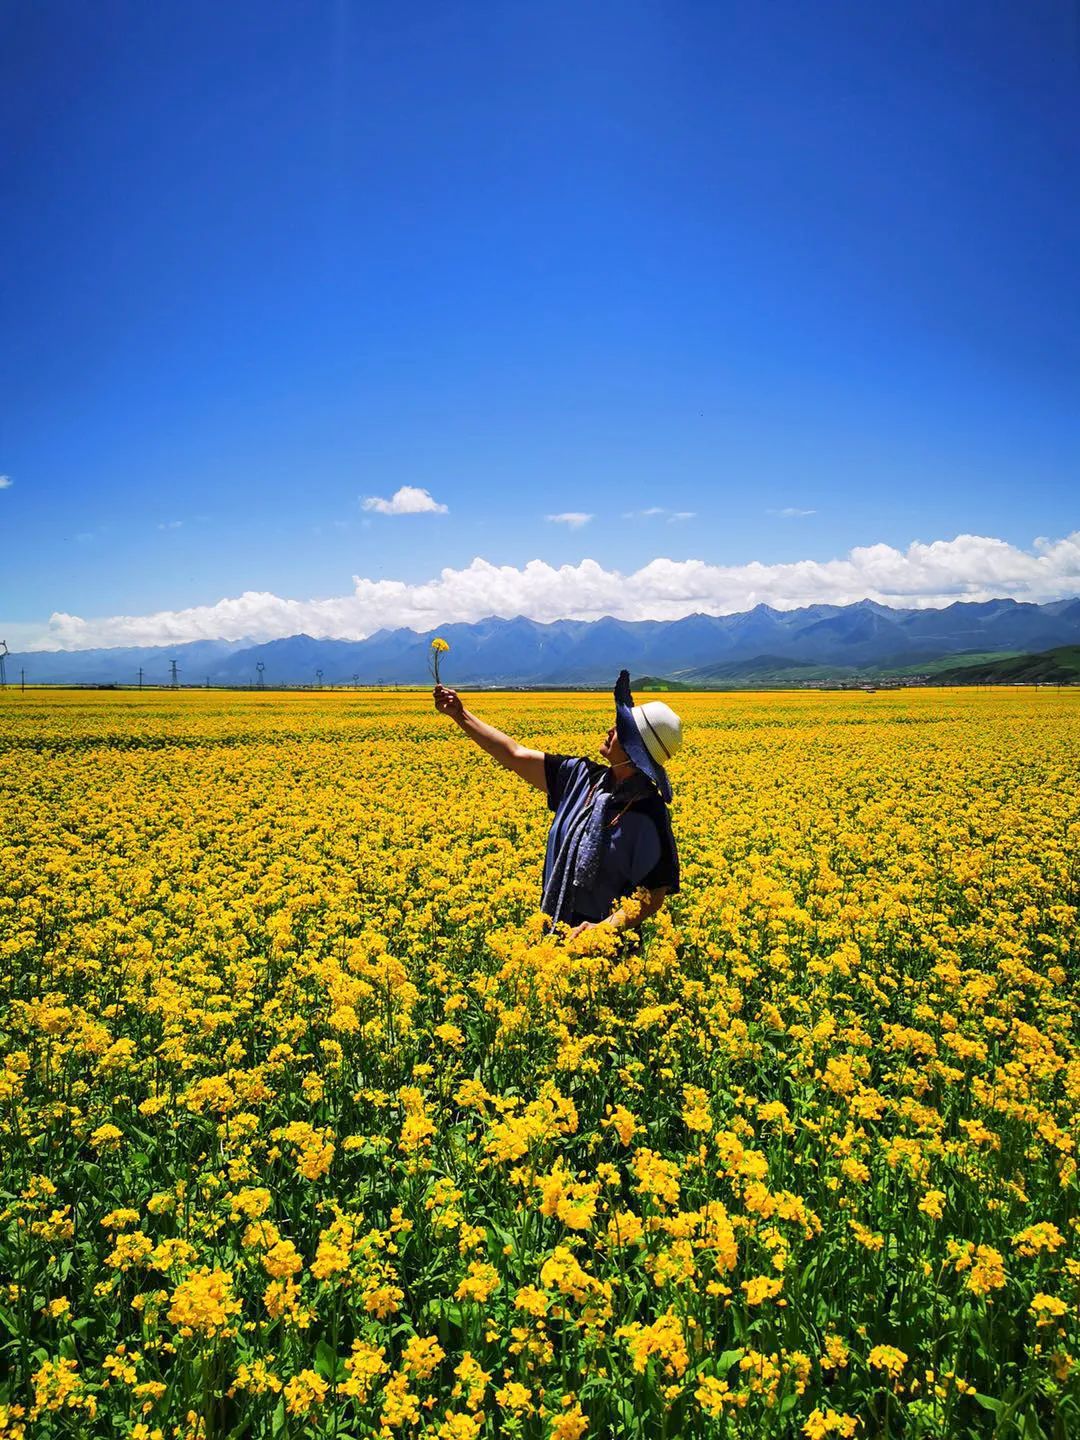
(650,733)
(660,729)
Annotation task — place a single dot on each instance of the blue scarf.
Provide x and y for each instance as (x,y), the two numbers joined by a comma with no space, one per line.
(577,861)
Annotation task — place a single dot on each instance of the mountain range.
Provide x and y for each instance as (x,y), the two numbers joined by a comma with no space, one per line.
(698,649)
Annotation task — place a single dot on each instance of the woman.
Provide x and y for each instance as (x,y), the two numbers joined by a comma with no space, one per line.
(611,833)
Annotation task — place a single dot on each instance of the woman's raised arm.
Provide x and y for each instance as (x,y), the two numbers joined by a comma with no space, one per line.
(529,764)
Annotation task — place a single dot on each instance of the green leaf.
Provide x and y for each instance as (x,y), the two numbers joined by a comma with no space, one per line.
(328,1363)
(451,1310)
(1032,1429)
(994,1406)
(627,1414)
(788,1402)
(725,1361)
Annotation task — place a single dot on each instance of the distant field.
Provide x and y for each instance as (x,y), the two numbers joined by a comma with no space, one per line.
(308,1131)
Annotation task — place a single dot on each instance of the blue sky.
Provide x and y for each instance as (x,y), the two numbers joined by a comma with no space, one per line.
(733,260)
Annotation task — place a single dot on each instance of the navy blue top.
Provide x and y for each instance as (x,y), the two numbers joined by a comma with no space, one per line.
(639,849)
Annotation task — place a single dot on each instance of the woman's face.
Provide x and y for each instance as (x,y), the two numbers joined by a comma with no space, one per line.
(611,750)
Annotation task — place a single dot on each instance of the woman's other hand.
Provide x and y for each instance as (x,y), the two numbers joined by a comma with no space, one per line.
(448,702)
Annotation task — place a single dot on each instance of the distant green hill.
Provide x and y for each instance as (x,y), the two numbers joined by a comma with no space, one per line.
(657,682)
(922,666)
(1048,667)
(778,670)
(988,667)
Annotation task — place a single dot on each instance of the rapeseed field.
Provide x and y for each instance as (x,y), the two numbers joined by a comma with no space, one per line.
(307,1130)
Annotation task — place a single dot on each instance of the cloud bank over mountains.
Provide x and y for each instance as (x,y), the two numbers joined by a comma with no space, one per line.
(969,567)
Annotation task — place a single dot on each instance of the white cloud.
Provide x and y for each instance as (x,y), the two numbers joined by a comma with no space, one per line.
(408,500)
(791,512)
(969,567)
(654,512)
(170,524)
(575,519)
(6,482)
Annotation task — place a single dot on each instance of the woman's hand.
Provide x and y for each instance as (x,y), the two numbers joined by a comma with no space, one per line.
(585,925)
(448,702)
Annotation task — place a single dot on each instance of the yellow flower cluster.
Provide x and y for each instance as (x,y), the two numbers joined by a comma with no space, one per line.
(307,1127)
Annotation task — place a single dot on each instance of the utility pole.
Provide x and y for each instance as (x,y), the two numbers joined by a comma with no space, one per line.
(140,677)
(22,678)
(174,681)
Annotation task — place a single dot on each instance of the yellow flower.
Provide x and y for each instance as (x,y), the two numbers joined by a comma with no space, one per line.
(712,1395)
(58,1386)
(480,1282)
(761,1288)
(472,1381)
(570,1425)
(624,1122)
(439,647)
(1047,1309)
(257,1378)
(363,1367)
(822,1423)
(333,1255)
(282,1259)
(866,1237)
(531,1300)
(834,1356)
(459,1427)
(933,1204)
(515,1397)
(1037,1239)
(400,1407)
(251,1203)
(203,1303)
(119,1219)
(889,1359)
(987,1272)
(561,1271)
(304,1392)
(106,1137)
(422,1357)
(664,1338)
